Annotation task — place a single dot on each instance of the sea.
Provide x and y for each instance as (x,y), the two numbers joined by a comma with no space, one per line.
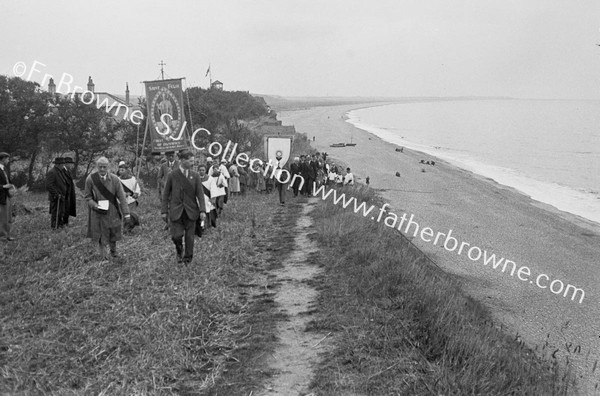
(546,149)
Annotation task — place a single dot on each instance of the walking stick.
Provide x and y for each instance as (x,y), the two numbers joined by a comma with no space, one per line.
(57,211)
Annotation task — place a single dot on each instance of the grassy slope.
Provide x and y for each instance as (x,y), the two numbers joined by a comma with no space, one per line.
(403,327)
(141,324)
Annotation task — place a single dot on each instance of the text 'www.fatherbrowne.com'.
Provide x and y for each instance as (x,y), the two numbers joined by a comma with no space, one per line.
(449,243)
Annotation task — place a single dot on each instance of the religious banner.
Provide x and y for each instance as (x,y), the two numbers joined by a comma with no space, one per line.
(164,99)
(278,146)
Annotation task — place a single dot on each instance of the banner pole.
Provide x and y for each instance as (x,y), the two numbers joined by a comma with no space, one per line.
(137,176)
(137,144)
(192,127)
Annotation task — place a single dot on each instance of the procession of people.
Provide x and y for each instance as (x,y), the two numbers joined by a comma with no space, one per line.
(192,195)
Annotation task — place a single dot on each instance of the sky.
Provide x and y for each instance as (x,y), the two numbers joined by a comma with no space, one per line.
(524,49)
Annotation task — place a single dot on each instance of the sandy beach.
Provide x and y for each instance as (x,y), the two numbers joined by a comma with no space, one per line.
(492,217)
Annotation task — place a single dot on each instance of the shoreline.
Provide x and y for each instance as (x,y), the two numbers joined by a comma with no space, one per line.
(490,215)
(530,187)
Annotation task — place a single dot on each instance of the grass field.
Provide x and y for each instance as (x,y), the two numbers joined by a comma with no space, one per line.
(140,324)
(403,327)
(143,325)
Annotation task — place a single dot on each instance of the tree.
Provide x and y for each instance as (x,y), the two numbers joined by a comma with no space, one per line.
(83,129)
(221,113)
(25,117)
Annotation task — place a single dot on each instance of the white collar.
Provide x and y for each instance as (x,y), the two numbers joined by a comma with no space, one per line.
(2,166)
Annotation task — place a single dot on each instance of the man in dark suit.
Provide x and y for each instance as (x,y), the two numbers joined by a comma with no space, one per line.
(182,205)
(295,170)
(58,188)
(281,178)
(70,198)
(305,172)
(166,168)
(313,167)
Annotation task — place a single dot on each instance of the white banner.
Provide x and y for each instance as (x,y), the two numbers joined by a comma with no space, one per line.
(278,146)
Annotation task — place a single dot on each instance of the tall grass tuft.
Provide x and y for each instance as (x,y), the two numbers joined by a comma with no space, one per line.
(404,326)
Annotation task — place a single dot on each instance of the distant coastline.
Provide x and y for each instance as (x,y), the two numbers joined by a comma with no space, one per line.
(282,103)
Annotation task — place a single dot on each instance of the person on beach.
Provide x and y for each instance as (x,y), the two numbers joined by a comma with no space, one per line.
(182,204)
(7,190)
(107,205)
(132,192)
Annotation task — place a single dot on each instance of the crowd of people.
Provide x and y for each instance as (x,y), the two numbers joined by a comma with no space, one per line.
(316,171)
(192,195)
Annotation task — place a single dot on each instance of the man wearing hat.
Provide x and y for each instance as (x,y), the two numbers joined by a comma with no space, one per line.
(182,205)
(58,188)
(70,197)
(107,206)
(165,169)
(6,191)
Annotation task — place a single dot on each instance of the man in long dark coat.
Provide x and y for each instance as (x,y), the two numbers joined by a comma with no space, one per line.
(70,197)
(295,170)
(107,205)
(305,172)
(182,204)
(58,189)
(6,217)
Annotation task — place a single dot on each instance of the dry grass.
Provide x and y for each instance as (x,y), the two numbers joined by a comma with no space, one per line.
(404,327)
(141,324)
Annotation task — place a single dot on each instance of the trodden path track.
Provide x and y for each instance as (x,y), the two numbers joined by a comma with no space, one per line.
(296,353)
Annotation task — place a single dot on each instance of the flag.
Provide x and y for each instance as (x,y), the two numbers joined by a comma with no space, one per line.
(278,146)
(167,124)
(207,71)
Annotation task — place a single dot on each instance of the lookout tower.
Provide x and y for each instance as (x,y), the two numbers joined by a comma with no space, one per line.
(217,85)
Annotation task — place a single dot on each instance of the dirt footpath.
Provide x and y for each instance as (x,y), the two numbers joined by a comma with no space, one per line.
(297,351)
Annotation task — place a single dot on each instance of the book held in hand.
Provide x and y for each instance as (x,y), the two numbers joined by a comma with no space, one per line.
(103,206)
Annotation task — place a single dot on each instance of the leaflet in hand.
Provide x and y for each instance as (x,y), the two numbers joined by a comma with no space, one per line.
(103,204)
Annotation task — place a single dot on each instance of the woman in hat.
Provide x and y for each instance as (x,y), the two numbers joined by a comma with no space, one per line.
(6,192)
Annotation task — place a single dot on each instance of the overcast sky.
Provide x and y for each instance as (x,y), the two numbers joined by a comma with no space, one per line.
(522,48)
